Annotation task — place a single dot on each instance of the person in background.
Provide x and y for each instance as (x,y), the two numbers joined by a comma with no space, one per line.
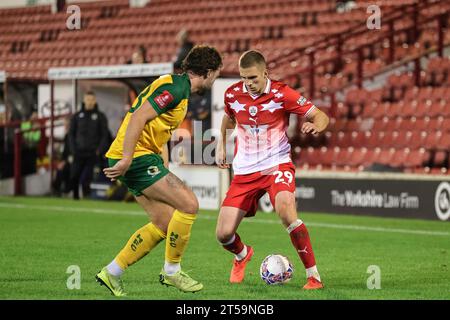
(345,5)
(88,139)
(138,56)
(185,45)
(30,143)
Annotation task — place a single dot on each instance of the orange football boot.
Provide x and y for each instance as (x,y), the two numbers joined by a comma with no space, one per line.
(312,283)
(238,271)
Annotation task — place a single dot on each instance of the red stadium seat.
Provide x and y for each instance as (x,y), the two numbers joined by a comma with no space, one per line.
(386,140)
(343,139)
(444,109)
(439,171)
(432,140)
(357,157)
(325,156)
(371,157)
(411,94)
(369,109)
(386,156)
(440,158)
(425,93)
(422,124)
(419,170)
(316,156)
(340,124)
(423,108)
(445,124)
(417,158)
(331,138)
(342,110)
(436,124)
(391,125)
(354,125)
(372,139)
(343,156)
(380,124)
(400,158)
(410,109)
(417,139)
(396,110)
(334,155)
(435,109)
(382,110)
(403,140)
(308,156)
(444,142)
(405,124)
(331,125)
(357,139)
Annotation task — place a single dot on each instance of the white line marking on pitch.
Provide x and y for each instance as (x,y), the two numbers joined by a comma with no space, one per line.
(254,220)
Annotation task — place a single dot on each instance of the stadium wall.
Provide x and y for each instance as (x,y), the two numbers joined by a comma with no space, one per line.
(34,185)
(209,183)
(375,194)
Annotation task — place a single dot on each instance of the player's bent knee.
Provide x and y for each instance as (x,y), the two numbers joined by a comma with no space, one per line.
(284,203)
(282,207)
(191,206)
(223,236)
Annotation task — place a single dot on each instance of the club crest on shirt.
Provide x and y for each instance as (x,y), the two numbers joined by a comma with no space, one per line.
(153,171)
(253,111)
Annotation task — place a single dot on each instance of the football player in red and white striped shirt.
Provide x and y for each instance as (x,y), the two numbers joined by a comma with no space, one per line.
(259,109)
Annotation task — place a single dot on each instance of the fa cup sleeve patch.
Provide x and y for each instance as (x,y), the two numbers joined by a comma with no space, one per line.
(164,99)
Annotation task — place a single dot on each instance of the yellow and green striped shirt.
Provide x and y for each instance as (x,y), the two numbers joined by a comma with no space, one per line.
(168,95)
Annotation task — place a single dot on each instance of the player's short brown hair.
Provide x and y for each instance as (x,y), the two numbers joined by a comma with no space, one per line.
(202,59)
(250,58)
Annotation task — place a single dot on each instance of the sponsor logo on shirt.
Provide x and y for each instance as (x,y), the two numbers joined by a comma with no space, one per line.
(255,130)
(164,99)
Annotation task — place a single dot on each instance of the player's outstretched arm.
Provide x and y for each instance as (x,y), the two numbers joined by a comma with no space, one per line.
(221,152)
(137,122)
(317,122)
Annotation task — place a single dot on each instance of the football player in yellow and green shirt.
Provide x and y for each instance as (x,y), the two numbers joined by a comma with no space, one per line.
(138,158)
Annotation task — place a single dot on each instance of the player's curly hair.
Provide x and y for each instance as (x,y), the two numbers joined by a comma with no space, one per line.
(202,59)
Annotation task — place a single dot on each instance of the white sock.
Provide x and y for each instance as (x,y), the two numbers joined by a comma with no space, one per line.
(229,241)
(114,269)
(294,225)
(312,272)
(241,255)
(171,268)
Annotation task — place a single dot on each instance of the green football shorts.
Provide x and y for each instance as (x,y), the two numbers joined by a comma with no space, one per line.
(143,172)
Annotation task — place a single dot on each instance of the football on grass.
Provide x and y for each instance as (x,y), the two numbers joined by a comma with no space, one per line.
(276,269)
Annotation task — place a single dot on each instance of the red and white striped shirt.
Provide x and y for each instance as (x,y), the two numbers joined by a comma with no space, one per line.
(262,121)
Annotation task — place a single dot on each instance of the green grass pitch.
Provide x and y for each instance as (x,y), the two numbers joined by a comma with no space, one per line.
(41,237)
